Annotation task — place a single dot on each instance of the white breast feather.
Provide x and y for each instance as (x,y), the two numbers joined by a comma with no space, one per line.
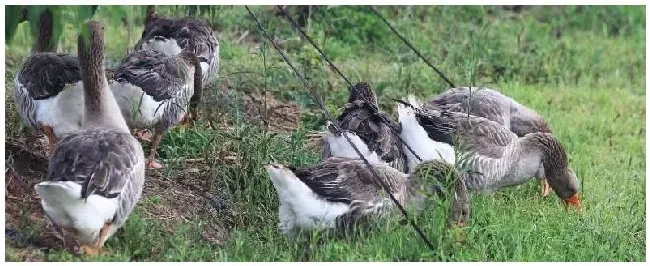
(136,113)
(300,208)
(416,137)
(63,112)
(62,202)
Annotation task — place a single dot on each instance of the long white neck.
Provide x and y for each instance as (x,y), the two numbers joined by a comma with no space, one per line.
(340,147)
(415,136)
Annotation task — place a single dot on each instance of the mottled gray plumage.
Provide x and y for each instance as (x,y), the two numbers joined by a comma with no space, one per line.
(492,105)
(191,34)
(44,75)
(362,117)
(341,192)
(167,79)
(104,162)
(500,158)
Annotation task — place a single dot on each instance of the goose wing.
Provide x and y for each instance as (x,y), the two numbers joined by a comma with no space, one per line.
(481,102)
(102,162)
(475,134)
(46,74)
(159,76)
(360,118)
(340,179)
(190,33)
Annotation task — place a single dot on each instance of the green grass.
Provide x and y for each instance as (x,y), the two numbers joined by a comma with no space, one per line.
(581,67)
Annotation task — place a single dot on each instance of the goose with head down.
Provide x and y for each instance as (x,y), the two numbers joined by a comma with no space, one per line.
(492,105)
(362,121)
(500,158)
(154,90)
(96,174)
(339,192)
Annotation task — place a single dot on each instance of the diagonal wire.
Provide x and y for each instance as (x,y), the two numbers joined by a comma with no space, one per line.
(411,46)
(374,108)
(336,126)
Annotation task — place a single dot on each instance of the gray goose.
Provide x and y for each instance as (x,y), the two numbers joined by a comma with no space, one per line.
(154,90)
(96,174)
(339,192)
(492,105)
(362,121)
(500,158)
(172,36)
(47,89)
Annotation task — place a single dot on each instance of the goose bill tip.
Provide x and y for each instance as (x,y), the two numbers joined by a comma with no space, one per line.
(573,201)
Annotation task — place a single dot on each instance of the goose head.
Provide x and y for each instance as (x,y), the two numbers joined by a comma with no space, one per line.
(362,91)
(556,168)
(441,173)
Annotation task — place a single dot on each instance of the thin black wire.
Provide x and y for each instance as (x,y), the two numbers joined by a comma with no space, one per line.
(411,46)
(375,109)
(335,123)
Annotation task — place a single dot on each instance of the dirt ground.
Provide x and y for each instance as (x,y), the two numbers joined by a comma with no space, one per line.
(188,196)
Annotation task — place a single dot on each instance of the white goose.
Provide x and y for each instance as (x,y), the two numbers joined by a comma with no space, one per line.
(96,174)
(48,90)
(154,90)
(499,158)
(339,192)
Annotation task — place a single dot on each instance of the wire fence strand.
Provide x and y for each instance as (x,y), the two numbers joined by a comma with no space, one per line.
(336,126)
(375,109)
(371,8)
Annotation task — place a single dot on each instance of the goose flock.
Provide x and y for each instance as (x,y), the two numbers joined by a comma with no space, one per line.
(93,118)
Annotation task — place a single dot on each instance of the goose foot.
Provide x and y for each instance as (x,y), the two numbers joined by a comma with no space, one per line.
(546,188)
(153,164)
(151,160)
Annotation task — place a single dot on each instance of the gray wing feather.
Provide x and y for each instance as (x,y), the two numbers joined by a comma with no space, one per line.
(360,119)
(159,76)
(102,161)
(480,102)
(44,75)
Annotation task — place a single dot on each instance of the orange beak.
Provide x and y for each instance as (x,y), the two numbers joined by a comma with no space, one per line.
(573,201)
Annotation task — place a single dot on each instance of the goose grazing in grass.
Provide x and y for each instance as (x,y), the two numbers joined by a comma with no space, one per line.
(96,174)
(417,138)
(48,90)
(492,105)
(153,90)
(362,121)
(172,36)
(340,192)
(500,158)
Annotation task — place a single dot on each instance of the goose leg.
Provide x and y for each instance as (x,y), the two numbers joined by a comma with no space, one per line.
(546,188)
(151,159)
(51,140)
(94,250)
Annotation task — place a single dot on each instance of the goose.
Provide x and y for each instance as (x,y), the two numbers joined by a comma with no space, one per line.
(492,105)
(47,88)
(96,174)
(417,138)
(362,120)
(499,158)
(341,191)
(172,36)
(153,91)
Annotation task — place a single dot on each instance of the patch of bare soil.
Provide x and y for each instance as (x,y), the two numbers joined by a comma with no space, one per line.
(268,111)
(189,196)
